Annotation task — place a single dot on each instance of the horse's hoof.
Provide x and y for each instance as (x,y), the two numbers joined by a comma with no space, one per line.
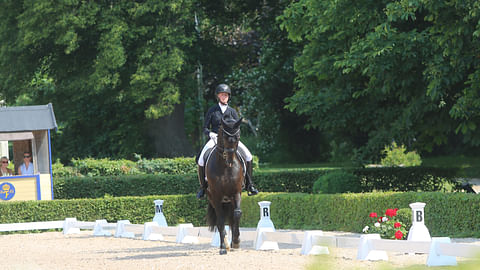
(235,245)
(223,251)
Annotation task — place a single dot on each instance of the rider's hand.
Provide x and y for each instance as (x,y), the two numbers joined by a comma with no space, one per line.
(213,136)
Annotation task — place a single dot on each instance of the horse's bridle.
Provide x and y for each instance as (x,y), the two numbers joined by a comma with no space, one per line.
(225,150)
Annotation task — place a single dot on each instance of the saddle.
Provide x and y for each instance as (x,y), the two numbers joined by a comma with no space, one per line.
(208,154)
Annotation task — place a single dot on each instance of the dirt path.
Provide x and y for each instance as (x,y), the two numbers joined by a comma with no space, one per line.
(53,250)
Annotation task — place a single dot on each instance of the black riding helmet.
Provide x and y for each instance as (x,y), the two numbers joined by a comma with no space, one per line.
(223,88)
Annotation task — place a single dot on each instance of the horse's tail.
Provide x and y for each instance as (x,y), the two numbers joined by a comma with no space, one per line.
(212,216)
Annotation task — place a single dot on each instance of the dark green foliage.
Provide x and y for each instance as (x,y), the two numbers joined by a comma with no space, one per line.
(338,181)
(106,66)
(373,72)
(445,213)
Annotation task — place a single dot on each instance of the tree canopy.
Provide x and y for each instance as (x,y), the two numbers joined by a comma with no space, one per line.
(373,72)
(108,65)
(314,80)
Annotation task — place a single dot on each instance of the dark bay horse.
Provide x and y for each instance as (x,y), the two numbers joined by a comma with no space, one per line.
(225,174)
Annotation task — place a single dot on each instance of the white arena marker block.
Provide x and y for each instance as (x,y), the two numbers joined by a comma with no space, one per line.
(365,251)
(182,234)
(121,232)
(436,259)
(159,217)
(69,226)
(265,224)
(98,228)
(148,233)
(418,231)
(309,247)
(260,244)
(216,237)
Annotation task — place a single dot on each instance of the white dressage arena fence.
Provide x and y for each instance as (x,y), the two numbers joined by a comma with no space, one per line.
(441,251)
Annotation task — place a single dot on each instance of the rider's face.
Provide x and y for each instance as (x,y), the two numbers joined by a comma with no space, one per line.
(223,98)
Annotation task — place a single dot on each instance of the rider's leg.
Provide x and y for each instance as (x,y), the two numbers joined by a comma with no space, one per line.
(248,176)
(201,169)
(203,183)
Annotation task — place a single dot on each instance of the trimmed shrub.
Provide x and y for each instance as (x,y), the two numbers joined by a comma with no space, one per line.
(404,215)
(407,178)
(379,179)
(179,165)
(445,213)
(104,167)
(59,170)
(396,156)
(338,181)
(124,185)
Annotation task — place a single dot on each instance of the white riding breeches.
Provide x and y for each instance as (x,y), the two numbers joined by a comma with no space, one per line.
(210,144)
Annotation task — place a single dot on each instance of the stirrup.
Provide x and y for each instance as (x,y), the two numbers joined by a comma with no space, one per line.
(252,191)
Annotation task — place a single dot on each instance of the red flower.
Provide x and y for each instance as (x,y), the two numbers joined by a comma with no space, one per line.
(398,235)
(373,214)
(391,212)
(397,225)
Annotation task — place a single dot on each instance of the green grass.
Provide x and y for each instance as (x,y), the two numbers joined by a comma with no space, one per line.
(470,166)
(323,165)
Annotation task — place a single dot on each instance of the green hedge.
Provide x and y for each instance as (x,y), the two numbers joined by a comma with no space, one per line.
(107,167)
(446,214)
(163,184)
(380,179)
(124,185)
(406,178)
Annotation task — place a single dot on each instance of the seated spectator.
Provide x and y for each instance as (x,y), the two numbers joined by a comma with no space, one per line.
(27,166)
(4,171)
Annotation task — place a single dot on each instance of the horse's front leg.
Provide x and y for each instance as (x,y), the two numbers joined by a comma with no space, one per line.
(237,214)
(221,228)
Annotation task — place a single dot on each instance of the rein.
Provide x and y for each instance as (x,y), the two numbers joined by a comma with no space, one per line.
(224,150)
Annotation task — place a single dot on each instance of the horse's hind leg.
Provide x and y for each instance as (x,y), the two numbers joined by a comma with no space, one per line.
(237,214)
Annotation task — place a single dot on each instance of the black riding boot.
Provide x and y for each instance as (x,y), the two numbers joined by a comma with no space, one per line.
(251,190)
(203,183)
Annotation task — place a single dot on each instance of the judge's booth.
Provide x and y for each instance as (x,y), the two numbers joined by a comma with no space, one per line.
(26,129)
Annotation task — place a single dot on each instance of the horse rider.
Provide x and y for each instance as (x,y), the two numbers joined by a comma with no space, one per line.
(211,125)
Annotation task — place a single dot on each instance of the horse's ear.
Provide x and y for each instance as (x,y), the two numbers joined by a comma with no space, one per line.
(237,124)
(224,123)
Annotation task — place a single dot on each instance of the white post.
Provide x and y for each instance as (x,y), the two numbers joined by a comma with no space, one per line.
(216,236)
(418,231)
(148,233)
(121,232)
(264,225)
(366,252)
(4,149)
(182,234)
(435,258)
(311,248)
(69,226)
(98,228)
(159,217)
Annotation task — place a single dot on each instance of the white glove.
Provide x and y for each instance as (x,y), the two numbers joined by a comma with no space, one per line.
(213,136)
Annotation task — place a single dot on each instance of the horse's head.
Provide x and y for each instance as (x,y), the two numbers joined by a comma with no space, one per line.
(229,136)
